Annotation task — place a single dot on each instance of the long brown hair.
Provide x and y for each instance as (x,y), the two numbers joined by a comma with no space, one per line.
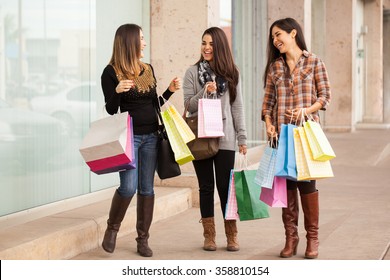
(126,52)
(223,62)
(286,24)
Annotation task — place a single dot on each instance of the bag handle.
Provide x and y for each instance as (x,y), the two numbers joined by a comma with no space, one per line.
(187,104)
(243,163)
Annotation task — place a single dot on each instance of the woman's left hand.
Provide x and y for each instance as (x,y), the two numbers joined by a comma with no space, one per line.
(294,115)
(174,85)
(242,149)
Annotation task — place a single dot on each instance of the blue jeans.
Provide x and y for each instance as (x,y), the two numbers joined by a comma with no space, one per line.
(140,179)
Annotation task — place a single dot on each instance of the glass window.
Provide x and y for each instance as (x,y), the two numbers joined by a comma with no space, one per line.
(50,69)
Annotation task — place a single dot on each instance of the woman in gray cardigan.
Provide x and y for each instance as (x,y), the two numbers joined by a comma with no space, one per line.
(217,72)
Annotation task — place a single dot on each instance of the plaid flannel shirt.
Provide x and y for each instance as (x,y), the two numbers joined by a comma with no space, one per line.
(307,84)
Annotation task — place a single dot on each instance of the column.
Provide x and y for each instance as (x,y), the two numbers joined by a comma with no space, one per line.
(373,17)
(176,35)
(338,58)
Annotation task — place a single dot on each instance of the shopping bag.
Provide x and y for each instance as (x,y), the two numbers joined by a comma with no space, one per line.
(318,142)
(277,196)
(108,146)
(181,125)
(285,165)
(266,171)
(210,118)
(307,167)
(249,205)
(179,147)
(231,210)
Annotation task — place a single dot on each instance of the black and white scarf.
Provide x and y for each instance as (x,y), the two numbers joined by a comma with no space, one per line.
(207,75)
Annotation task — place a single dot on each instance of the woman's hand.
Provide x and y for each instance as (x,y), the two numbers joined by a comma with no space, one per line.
(271,131)
(211,87)
(174,85)
(124,85)
(242,149)
(294,115)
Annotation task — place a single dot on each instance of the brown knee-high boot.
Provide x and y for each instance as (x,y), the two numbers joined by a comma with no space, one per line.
(209,234)
(310,206)
(290,220)
(117,212)
(231,235)
(145,207)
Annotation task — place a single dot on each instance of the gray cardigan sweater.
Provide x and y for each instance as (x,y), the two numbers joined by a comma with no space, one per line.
(232,115)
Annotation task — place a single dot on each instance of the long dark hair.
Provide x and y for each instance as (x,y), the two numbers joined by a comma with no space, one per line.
(126,51)
(286,24)
(223,62)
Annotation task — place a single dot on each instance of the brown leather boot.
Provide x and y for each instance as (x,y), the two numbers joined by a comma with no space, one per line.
(209,234)
(145,207)
(290,220)
(231,235)
(310,206)
(117,212)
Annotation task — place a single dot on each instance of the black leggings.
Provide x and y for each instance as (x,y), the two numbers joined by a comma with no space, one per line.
(224,163)
(303,187)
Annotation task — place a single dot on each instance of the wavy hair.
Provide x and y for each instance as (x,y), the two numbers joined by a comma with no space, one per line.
(223,63)
(126,52)
(288,25)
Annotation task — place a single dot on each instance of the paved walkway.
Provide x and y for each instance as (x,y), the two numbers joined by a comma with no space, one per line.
(354,215)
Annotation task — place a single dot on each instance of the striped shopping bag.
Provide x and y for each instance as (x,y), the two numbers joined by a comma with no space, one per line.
(210,118)
(307,167)
(181,125)
(266,172)
(319,144)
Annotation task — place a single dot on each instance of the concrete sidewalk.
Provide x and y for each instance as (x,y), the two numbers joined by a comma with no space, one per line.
(354,215)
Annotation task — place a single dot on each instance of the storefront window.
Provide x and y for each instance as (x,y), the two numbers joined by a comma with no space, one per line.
(52,53)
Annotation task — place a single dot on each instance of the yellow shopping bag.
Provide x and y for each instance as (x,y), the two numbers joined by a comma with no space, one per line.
(319,144)
(307,167)
(181,125)
(179,147)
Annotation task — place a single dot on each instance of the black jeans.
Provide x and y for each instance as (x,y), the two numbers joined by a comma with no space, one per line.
(303,187)
(224,163)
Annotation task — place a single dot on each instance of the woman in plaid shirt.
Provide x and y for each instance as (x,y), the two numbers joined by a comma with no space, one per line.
(294,79)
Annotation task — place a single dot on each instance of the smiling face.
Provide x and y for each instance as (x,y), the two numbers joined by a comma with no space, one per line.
(143,43)
(207,47)
(282,40)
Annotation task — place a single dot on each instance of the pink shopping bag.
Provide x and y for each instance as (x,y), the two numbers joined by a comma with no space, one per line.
(277,196)
(231,211)
(210,118)
(109,144)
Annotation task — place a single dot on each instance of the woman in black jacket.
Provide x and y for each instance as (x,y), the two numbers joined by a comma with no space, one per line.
(130,85)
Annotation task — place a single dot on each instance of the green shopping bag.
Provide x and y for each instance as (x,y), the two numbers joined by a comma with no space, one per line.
(250,207)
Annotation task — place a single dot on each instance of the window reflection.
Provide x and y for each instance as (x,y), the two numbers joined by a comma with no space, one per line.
(47,99)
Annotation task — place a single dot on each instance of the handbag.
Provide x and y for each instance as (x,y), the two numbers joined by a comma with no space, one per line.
(167,167)
(201,148)
(108,146)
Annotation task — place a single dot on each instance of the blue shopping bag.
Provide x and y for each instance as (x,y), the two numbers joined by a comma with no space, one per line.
(285,165)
